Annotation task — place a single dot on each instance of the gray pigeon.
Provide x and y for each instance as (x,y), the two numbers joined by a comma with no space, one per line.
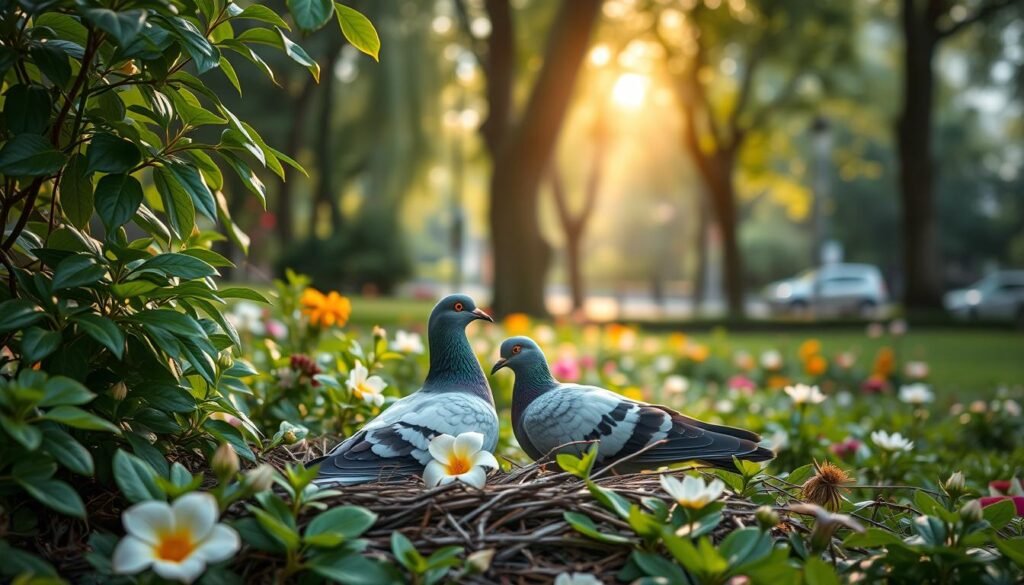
(547,414)
(455,398)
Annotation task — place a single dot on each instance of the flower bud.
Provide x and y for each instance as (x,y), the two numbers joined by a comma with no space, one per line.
(955,483)
(119,391)
(767,518)
(225,360)
(480,560)
(379,332)
(289,437)
(261,478)
(971,512)
(225,462)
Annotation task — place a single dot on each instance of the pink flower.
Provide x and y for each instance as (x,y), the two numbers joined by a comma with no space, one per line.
(1018,502)
(742,383)
(587,362)
(848,447)
(566,368)
(875,385)
(609,368)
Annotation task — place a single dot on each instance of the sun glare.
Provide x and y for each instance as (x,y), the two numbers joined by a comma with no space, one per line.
(630,90)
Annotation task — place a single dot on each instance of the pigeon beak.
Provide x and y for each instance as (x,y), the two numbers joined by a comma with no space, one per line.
(482,315)
(499,364)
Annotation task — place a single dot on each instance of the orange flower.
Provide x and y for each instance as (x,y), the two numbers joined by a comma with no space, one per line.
(517,324)
(885,361)
(633,393)
(776,382)
(816,365)
(328,310)
(677,342)
(809,349)
(698,353)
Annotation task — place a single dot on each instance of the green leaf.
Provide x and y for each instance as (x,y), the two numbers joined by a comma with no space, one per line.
(406,553)
(229,71)
(67,451)
(56,494)
(230,434)
(80,419)
(353,569)
(52,61)
(278,39)
(310,15)
(27,109)
(76,271)
(657,566)
(204,55)
(180,265)
(339,524)
(102,330)
(610,499)
(276,528)
(117,199)
(62,391)
(122,25)
(192,182)
(133,288)
(108,153)
(76,192)
(358,30)
(585,526)
(28,435)
(1000,513)
(30,155)
(18,313)
(38,343)
(181,213)
(1013,549)
(242,293)
(872,538)
(262,14)
(819,572)
(135,478)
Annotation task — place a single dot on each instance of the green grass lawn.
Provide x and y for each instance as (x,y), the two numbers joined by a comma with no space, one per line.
(962,361)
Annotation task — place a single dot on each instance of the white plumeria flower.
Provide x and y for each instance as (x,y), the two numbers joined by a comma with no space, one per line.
(459,458)
(692,492)
(804,394)
(771,360)
(176,540)
(893,442)
(577,579)
(408,342)
(916,394)
(365,387)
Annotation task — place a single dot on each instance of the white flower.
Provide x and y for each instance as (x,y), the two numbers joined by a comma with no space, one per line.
(916,394)
(724,406)
(365,387)
(803,394)
(544,334)
(916,370)
(408,342)
(459,458)
(176,540)
(771,360)
(893,442)
(692,492)
(247,316)
(676,385)
(577,579)
(664,364)
(1012,407)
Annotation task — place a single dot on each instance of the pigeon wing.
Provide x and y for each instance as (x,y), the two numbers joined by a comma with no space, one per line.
(394,445)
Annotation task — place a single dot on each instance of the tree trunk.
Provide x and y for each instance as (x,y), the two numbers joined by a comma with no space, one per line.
(573,240)
(521,255)
(296,132)
(723,203)
(325,192)
(700,279)
(921,264)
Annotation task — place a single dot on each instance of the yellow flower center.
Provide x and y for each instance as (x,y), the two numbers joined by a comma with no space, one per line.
(174,547)
(458,465)
(363,389)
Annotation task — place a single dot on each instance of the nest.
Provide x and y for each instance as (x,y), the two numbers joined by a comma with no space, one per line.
(518,515)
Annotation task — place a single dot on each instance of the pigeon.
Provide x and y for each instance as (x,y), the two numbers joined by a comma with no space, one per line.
(547,414)
(455,398)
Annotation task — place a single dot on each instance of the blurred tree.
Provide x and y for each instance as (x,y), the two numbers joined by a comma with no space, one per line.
(520,143)
(735,65)
(926,24)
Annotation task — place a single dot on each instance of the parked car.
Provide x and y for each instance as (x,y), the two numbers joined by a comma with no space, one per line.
(999,296)
(833,289)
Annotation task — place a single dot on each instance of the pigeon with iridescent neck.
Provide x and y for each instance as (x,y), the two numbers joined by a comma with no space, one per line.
(455,398)
(547,414)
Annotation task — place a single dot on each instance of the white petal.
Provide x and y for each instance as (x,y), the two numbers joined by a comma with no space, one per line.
(377,383)
(147,520)
(715,490)
(441,447)
(671,486)
(466,444)
(475,477)
(434,473)
(196,512)
(186,571)
(485,459)
(221,544)
(132,555)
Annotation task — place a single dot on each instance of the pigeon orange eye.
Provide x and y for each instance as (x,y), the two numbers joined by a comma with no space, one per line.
(517,349)
(458,306)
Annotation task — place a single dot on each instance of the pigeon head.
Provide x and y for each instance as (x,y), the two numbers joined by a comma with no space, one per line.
(518,353)
(455,312)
